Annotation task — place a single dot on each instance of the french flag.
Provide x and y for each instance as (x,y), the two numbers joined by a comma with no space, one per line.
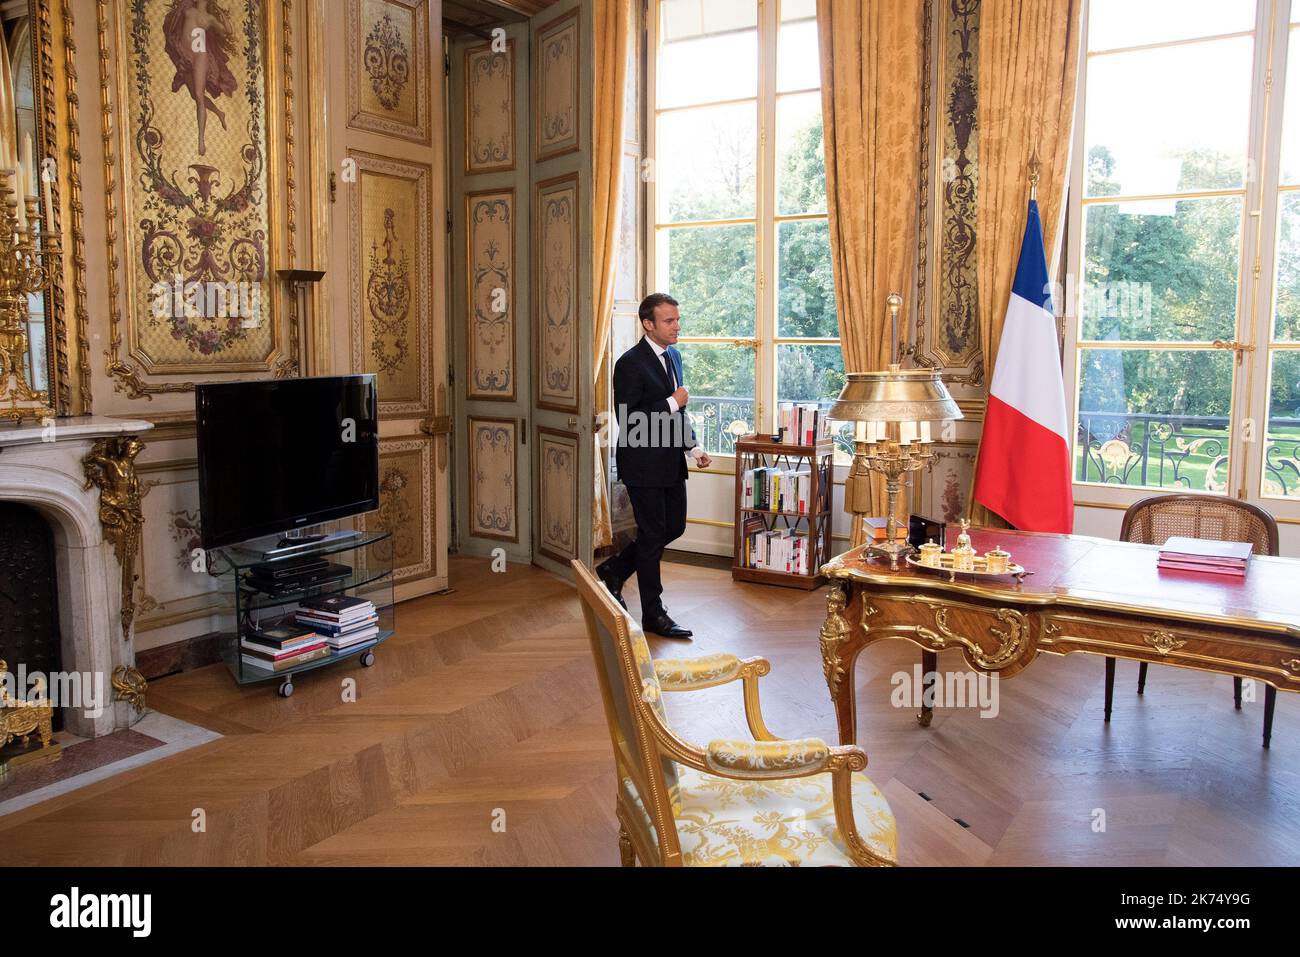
(1023,472)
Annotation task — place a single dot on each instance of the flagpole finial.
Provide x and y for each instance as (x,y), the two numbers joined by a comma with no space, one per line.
(1035,171)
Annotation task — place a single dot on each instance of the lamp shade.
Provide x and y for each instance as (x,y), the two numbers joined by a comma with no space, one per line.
(896,395)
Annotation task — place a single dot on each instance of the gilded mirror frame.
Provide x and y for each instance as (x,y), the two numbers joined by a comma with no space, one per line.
(52,54)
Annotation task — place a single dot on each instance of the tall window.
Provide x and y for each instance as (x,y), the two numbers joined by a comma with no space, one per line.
(737,183)
(1185,196)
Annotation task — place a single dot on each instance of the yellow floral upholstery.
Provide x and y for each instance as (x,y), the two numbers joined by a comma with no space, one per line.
(727,823)
(776,759)
(683,674)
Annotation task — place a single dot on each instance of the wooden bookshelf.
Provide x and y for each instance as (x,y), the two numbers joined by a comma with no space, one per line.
(758,451)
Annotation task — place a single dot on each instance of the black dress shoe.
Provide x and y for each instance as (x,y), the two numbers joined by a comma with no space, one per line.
(664,626)
(612,582)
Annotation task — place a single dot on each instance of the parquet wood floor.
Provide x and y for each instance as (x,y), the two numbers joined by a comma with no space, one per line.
(485,709)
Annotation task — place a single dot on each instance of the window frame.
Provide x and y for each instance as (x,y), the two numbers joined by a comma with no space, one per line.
(766,339)
(1260,196)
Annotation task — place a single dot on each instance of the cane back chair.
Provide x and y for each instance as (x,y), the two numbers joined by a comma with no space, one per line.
(1154,520)
(734,802)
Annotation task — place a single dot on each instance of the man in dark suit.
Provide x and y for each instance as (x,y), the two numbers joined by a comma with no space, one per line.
(655,437)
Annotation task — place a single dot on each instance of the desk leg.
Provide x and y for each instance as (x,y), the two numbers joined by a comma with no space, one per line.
(929,675)
(845,698)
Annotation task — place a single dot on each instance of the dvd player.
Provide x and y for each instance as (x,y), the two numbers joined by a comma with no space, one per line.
(331,572)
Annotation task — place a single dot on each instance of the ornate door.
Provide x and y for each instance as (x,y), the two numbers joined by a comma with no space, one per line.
(560,261)
(383,181)
(489,289)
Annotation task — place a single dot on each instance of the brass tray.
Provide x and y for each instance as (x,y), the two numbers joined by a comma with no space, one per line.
(980,570)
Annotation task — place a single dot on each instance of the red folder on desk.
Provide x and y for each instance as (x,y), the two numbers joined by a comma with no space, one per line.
(1205,555)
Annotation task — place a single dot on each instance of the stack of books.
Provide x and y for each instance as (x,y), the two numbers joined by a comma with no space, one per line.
(778,550)
(1205,555)
(878,529)
(341,620)
(282,646)
(802,424)
(777,490)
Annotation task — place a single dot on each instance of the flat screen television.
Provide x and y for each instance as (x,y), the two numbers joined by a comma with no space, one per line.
(281,454)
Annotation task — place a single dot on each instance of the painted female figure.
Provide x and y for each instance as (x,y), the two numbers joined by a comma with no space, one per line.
(198,36)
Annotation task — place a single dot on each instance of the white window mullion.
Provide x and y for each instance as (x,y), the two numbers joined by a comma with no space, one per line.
(765,299)
(655,279)
(1260,362)
(1253,299)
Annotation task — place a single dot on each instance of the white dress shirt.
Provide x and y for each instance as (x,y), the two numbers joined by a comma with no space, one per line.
(673,407)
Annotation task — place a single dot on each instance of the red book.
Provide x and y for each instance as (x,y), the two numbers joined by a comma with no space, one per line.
(260,650)
(1232,571)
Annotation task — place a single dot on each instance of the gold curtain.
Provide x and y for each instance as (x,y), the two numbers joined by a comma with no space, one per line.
(871,101)
(8,111)
(1029,65)
(612,22)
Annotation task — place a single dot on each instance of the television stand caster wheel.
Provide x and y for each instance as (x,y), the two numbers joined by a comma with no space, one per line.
(286,688)
(367,659)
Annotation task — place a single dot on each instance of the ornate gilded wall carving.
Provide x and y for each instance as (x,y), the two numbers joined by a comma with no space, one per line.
(388,67)
(557,477)
(493,478)
(555,266)
(110,467)
(489,109)
(490,236)
(406,508)
(388,281)
(199,188)
(558,105)
(947,329)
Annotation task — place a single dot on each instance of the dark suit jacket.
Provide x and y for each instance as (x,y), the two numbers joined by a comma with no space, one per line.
(652,442)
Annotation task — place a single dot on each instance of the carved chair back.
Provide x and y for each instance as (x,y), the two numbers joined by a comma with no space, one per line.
(632,697)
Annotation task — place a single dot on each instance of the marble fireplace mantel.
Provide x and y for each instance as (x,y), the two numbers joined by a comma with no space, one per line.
(42,466)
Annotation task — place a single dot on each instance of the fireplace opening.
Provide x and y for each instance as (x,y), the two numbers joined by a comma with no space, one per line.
(29,607)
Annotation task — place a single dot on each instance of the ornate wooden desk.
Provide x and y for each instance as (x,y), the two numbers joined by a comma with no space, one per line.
(1085,594)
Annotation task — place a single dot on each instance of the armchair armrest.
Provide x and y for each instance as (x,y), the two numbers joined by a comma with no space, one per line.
(768,759)
(709,671)
(690,674)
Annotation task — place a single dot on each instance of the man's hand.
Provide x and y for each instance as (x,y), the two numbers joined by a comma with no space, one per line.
(681,395)
(704,461)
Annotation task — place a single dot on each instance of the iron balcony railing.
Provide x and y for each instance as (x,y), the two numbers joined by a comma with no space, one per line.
(1178,451)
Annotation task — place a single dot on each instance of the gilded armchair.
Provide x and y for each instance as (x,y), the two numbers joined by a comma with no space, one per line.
(734,802)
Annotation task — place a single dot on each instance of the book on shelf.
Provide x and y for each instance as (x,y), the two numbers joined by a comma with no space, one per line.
(332,628)
(282,635)
(283,664)
(750,529)
(779,550)
(771,489)
(801,423)
(336,607)
(272,653)
(354,638)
